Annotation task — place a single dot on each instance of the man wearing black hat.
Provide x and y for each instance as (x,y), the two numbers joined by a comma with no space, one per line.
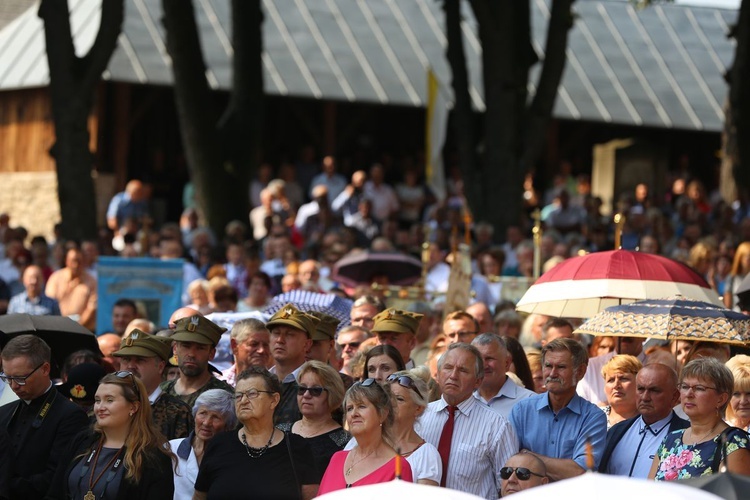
(291,338)
(146,357)
(41,423)
(195,342)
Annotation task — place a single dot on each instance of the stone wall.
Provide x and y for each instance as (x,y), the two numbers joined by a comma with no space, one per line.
(30,198)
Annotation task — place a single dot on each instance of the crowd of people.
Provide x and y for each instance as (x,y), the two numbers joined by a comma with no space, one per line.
(482,399)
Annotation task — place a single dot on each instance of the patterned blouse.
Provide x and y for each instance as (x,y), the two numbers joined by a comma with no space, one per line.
(678,460)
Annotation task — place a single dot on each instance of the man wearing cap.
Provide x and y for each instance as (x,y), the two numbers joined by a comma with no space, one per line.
(291,338)
(195,340)
(146,357)
(323,345)
(398,328)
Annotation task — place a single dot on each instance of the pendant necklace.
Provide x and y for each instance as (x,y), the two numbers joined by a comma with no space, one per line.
(92,481)
(349,470)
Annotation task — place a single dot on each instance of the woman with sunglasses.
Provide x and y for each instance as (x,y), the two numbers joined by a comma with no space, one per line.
(409,393)
(381,361)
(705,387)
(320,392)
(256,460)
(124,456)
(369,416)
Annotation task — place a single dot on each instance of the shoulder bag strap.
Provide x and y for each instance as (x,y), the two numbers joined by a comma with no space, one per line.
(291,460)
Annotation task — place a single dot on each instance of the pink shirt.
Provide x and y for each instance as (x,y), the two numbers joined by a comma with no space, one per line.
(333,479)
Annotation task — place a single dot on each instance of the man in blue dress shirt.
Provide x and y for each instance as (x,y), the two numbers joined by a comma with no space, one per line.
(556,425)
(33,301)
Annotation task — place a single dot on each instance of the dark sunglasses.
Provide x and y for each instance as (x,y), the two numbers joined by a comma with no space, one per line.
(352,345)
(124,374)
(404,381)
(522,473)
(314,391)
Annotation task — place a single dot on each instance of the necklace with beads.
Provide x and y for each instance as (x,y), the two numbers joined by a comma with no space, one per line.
(257,452)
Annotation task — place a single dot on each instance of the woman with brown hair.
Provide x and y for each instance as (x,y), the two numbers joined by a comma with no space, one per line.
(124,456)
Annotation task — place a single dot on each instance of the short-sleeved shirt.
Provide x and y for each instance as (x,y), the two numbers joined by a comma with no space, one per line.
(122,207)
(228,472)
(563,434)
(678,460)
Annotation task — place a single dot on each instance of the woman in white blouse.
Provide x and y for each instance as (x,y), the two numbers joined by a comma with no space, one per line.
(409,393)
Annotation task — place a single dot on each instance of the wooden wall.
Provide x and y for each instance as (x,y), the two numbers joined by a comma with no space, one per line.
(27,131)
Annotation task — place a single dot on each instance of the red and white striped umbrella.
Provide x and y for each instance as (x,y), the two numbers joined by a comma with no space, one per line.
(581,287)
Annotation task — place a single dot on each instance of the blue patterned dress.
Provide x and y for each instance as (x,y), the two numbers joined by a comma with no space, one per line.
(678,460)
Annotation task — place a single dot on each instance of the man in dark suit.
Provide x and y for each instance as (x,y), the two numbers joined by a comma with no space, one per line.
(41,423)
(632,443)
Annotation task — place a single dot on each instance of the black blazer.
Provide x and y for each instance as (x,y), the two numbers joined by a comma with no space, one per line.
(157,477)
(39,444)
(615,434)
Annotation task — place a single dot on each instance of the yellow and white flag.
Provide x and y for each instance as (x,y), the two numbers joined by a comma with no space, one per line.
(437,123)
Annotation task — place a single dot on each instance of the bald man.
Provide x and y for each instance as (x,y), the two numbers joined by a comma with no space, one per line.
(521,472)
(127,204)
(109,343)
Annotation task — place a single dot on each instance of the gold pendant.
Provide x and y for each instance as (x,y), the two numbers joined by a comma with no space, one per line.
(89,496)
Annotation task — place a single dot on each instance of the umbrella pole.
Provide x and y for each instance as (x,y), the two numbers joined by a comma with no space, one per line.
(537,232)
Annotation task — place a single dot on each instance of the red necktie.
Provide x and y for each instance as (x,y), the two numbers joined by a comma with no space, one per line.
(444,445)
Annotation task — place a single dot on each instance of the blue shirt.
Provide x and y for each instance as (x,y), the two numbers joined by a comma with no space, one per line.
(122,207)
(561,435)
(40,306)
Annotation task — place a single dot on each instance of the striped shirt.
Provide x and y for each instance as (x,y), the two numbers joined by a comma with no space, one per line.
(482,441)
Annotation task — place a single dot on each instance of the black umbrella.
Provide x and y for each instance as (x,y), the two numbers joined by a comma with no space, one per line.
(360,268)
(725,485)
(63,335)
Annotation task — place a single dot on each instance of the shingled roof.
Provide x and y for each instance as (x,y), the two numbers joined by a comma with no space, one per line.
(659,67)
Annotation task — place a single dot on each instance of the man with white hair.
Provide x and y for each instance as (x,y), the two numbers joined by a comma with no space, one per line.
(250,342)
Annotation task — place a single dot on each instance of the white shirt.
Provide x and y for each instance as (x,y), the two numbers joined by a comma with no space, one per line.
(508,395)
(425,463)
(482,441)
(154,395)
(637,448)
(187,471)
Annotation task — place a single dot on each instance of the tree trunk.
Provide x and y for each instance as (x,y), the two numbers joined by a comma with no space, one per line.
(73,83)
(540,111)
(242,124)
(463,115)
(505,35)
(739,101)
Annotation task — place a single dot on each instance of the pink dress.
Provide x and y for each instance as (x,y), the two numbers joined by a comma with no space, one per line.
(333,479)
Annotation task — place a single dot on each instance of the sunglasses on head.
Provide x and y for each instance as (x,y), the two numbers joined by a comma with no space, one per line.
(125,374)
(522,473)
(314,391)
(404,381)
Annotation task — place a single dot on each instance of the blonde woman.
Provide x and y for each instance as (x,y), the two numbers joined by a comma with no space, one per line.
(619,385)
(740,268)
(738,411)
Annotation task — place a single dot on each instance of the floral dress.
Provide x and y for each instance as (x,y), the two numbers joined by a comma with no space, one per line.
(678,460)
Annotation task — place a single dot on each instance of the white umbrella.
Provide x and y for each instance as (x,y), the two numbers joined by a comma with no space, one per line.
(593,485)
(399,489)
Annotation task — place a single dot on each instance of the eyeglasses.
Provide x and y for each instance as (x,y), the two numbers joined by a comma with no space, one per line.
(697,389)
(522,473)
(250,393)
(18,380)
(352,345)
(314,391)
(126,374)
(404,381)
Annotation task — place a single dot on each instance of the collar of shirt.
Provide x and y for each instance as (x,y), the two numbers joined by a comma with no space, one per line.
(464,406)
(574,405)
(509,390)
(292,377)
(656,427)
(29,401)
(154,395)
